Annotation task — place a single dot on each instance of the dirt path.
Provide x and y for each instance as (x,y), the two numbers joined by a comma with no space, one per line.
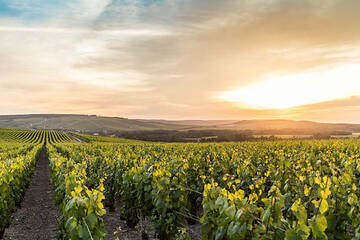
(36,219)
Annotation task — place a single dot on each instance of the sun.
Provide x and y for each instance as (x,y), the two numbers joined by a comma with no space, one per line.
(294,90)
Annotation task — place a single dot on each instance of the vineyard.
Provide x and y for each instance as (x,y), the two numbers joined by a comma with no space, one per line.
(33,136)
(252,190)
(19,150)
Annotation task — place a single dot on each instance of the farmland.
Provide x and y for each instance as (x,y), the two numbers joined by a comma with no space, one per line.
(294,189)
(19,151)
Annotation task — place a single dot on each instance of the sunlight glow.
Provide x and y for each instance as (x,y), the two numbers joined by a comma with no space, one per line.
(299,89)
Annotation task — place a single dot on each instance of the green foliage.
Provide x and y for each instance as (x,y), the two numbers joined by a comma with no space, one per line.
(17,163)
(263,190)
(33,136)
(81,208)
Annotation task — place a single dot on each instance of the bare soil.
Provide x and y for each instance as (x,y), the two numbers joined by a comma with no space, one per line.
(117,228)
(36,218)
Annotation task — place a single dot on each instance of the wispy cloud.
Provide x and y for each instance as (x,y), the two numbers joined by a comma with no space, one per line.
(142,58)
(119,33)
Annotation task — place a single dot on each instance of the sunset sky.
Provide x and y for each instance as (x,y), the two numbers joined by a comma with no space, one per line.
(182,59)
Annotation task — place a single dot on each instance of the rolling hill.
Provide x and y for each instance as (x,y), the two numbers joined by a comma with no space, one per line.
(264,125)
(80,122)
(93,123)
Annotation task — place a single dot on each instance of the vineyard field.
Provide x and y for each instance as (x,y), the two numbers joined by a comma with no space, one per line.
(298,189)
(19,150)
(180,120)
(263,190)
(33,136)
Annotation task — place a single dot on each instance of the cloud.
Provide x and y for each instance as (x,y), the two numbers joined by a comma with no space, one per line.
(115,33)
(140,58)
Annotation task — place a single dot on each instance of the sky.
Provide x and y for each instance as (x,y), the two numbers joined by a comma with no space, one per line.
(182,59)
